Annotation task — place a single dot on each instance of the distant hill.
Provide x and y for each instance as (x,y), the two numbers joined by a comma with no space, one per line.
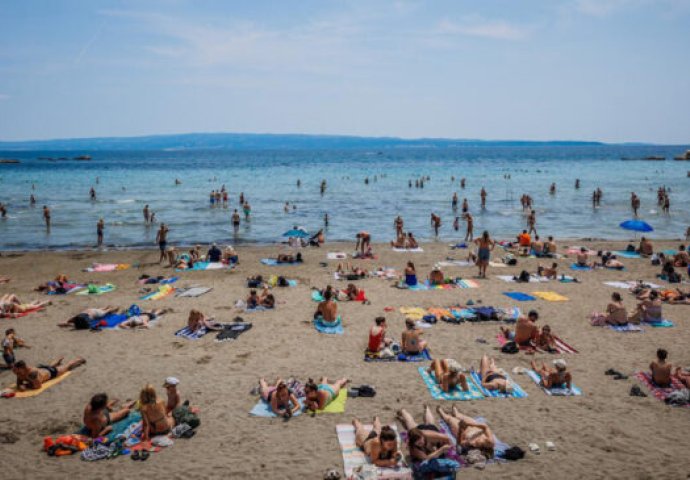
(257,141)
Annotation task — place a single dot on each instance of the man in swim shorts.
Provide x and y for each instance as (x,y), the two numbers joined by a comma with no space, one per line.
(162,240)
(33,378)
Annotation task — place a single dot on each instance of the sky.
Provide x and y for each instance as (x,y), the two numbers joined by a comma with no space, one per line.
(604,70)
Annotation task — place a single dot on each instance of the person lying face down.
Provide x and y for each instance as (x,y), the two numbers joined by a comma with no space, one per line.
(380,444)
(319,396)
(281,399)
(448,374)
(33,378)
(469,434)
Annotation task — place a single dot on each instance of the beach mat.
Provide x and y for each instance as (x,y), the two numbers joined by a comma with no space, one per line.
(162,292)
(272,262)
(45,386)
(532,279)
(354,457)
(580,268)
(106,267)
(110,321)
(408,250)
(457,394)
(192,291)
(517,392)
(467,283)
(625,285)
(23,314)
(189,335)
(519,296)
(454,263)
(263,409)
(658,392)
(424,355)
(329,330)
(560,392)
(100,290)
(338,403)
(625,254)
(551,296)
(661,324)
(336,256)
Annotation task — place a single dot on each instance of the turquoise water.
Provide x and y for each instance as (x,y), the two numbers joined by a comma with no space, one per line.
(129,180)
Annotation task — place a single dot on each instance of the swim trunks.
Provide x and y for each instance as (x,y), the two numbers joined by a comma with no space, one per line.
(51,370)
(162,245)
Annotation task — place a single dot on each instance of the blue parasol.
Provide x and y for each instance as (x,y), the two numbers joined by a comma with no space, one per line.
(636,226)
(296,232)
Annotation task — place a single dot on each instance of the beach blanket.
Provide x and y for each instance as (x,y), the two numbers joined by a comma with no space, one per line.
(354,457)
(580,268)
(563,392)
(337,330)
(408,250)
(415,313)
(232,331)
(107,267)
(625,254)
(337,405)
(263,409)
(660,324)
(192,291)
(517,392)
(23,314)
(659,393)
(519,296)
(154,281)
(202,266)
(424,355)
(454,263)
(336,255)
(551,296)
(467,283)
(44,386)
(561,346)
(628,327)
(630,284)
(273,282)
(575,250)
(532,279)
(272,262)
(359,256)
(456,394)
(110,321)
(427,286)
(99,290)
(69,288)
(187,333)
(163,291)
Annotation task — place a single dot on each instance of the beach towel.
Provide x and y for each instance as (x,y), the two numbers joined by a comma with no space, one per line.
(110,321)
(354,457)
(336,255)
(628,327)
(273,282)
(625,254)
(467,283)
(424,355)
(659,393)
(580,268)
(187,333)
(44,386)
(338,403)
(99,290)
(454,263)
(163,291)
(263,409)
(519,296)
(517,392)
(563,392)
(575,250)
(192,292)
(163,281)
(408,250)
(202,266)
(23,314)
(337,330)
(551,296)
(456,394)
(439,313)
(532,279)
(625,285)
(107,267)
(561,346)
(68,287)
(660,324)
(497,264)
(415,313)
(232,331)
(272,262)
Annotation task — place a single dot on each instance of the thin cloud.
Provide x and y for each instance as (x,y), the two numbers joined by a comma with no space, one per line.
(4,96)
(603,8)
(493,29)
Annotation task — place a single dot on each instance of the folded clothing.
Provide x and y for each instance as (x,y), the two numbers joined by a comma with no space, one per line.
(192,291)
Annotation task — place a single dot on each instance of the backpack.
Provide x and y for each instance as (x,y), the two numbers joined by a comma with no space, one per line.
(514,453)
(282,282)
(182,414)
(510,347)
(438,465)
(524,277)
(630,248)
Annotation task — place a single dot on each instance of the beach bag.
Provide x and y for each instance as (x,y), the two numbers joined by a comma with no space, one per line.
(133,311)
(182,414)
(429,318)
(524,277)
(514,453)
(510,347)
(282,281)
(438,465)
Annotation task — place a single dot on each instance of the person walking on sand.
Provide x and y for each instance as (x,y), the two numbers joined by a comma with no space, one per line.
(99,231)
(486,245)
(162,240)
(46,216)
(147,216)
(469,235)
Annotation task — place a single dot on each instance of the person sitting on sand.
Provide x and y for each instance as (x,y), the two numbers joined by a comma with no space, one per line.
(609,260)
(616,314)
(550,273)
(436,277)
(214,254)
(661,370)
(195,253)
(400,241)
(546,340)
(412,344)
(30,378)
(380,444)
(448,374)
(155,421)
(279,397)
(682,258)
(198,321)
(469,434)
(646,249)
(410,275)
(143,319)
(9,343)
(252,299)
(550,247)
(12,307)
(424,440)
(493,379)
(317,239)
(289,258)
(266,299)
(583,258)
(317,397)
(411,241)
(327,311)
(648,310)
(171,254)
(353,293)
(524,241)
(174,399)
(526,331)
(537,247)
(377,336)
(84,319)
(558,378)
(230,255)
(99,415)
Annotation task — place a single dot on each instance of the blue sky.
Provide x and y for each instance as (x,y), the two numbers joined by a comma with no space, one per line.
(609,70)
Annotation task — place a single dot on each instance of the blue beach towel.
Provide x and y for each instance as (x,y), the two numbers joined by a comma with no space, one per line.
(517,392)
(563,392)
(456,394)
(167,281)
(519,296)
(337,330)
(189,335)
(111,320)
(580,268)
(272,262)
(625,254)
(628,327)
(419,357)
(263,409)
(661,324)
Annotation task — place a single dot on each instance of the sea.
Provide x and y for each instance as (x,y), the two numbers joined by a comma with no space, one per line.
(127,181)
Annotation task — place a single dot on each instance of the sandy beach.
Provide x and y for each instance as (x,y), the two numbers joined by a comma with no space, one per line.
(605,433)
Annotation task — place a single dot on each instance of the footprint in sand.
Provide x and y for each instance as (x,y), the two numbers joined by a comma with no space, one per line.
(204,360)
(177,344)
(8,437)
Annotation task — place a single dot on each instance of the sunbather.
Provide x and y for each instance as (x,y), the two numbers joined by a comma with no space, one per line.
(411,241)
(548,272)
(327,310)
(30,378)
(492,377)
(198,320)
(143,319)
(317,397)
(266,299)
(351,272)
(377,336)
(583,259)
(289,258)
(58,285)
(646,249)
(84,319)
(448,374)
(616,314)
(526,331)
(9,343)
(412,344)
(424,440)
(683,376)
(252,299)
(660,369)
(11,306)
(410,275)
(155,420)
(282,400)
(609,260)
(99,415)
(682,258)
(380,443)
(546,340)
(648,310)
(470,434)
(5,279)
(400,241)
(353,293)
(558,378)
(436,277)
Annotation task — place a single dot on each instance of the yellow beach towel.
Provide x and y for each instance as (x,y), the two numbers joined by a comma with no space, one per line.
(550,296)
(337,405)
(45,386)
(415,313)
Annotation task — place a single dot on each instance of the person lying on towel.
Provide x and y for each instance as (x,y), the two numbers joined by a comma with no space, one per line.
(289,258)
(554,378)
(424,440)
(317,397)
(11,306)
(380,444)
(548,272)
(470,434)
(143,318)
(99,415)
(448,374)
(33,378)
(282,400)
(493,378)
(84,319)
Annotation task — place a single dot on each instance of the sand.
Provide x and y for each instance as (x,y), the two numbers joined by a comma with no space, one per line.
(603,434)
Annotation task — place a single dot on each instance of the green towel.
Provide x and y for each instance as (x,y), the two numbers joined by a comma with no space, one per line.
(337,405)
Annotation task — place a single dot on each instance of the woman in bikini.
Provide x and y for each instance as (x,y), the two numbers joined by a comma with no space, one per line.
(648,310)
(410,275)
(493,379)
(380,443)
(485,245)
(425,441)
(11,306)
(546,340)
(153,414)
(282,400)
(319,396)
(616,314)
(198,320)
(411,343)
(448,374)
(558,378)
(469,434)
(142,320)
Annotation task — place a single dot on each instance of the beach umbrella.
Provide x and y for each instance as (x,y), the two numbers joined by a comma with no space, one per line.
(636,226)
(296,232)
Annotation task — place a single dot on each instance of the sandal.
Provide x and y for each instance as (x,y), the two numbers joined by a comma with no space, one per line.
(136,455)
(636,392)
(144,455)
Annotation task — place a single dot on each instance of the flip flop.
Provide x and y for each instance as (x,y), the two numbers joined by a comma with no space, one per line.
(144,455)
(550,446)
(534,448)
(136,455)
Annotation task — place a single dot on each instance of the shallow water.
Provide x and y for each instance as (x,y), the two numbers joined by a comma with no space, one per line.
(129,180)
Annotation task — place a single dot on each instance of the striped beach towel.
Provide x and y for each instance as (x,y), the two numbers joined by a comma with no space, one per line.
(354,457)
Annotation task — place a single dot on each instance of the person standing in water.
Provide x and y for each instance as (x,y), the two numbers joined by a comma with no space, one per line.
(323,186)
(146,214)
(462,182)
(483,195)
(577,184)
(398,226)
(436,223)
(454,202)
(552,189)
(634,203)
(235,220)
(456,224)
(99,231)
(92,193)
(46,216)
(469,235)
(247,210)
(532,222)
(325,219)
(3,210)
(32,200)
(162,240)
